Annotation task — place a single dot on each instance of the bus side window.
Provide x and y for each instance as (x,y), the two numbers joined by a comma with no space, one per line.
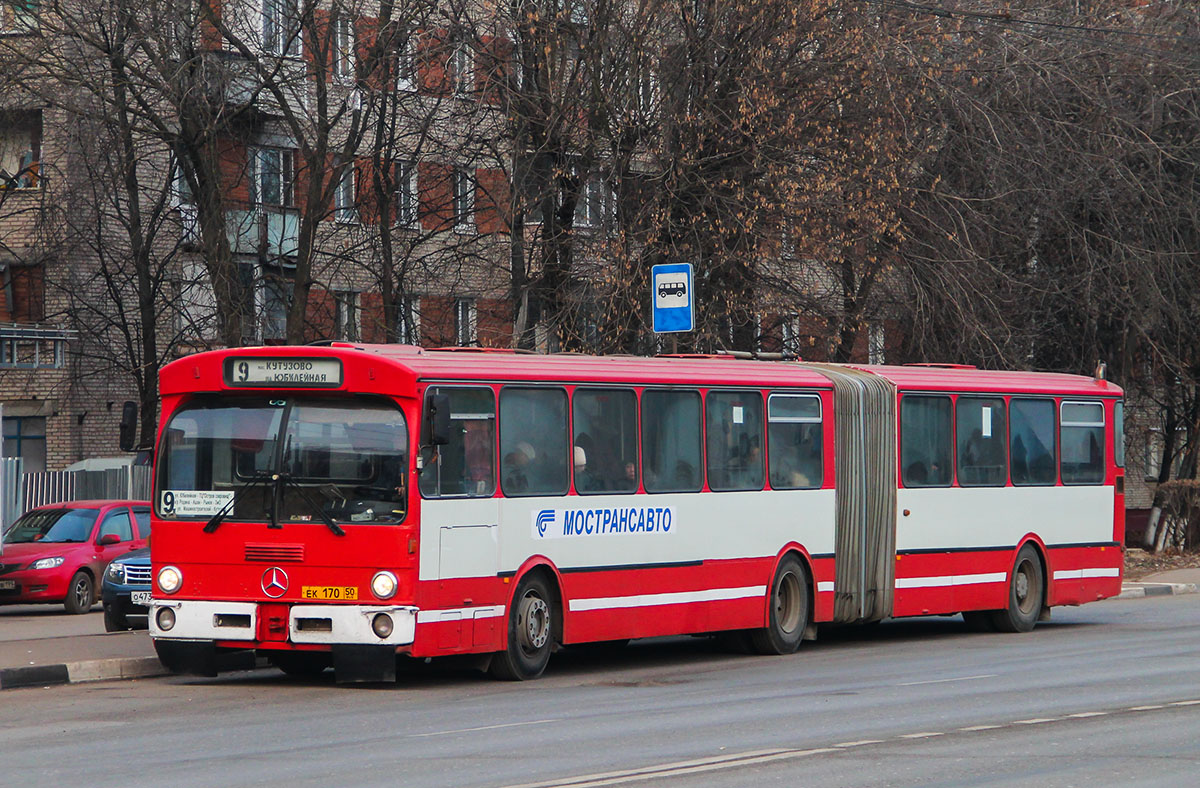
(1032,441)
(926,441)
(734,430)
(794,441)
(605,441)
(464,467)
(671,429)
(1082,437)
(982,442)
(533,441)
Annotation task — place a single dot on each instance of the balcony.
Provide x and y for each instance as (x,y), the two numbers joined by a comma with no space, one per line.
(24,346)
(267,233)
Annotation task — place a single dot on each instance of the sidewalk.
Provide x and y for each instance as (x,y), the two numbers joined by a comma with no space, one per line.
(68,659)
(1174,581)
(33,660)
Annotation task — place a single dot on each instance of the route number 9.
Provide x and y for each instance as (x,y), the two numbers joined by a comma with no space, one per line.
(168,502)
(243,371)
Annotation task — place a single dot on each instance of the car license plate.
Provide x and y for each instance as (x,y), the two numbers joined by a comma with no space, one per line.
(329,592)
(7,585)
(140,597)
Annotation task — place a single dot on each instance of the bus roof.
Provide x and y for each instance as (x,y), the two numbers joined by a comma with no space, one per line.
(474,364)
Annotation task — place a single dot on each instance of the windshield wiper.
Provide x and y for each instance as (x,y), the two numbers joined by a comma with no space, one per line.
(287,479)
(215,521)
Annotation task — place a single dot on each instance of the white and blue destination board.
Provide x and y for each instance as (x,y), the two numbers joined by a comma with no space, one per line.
(671,296)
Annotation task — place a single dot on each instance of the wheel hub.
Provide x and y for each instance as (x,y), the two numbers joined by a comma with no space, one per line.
(535,622)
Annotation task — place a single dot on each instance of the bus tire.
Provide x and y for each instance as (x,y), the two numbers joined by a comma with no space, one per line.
(301,664)
(979,620)
(1026,593)
(787,610)
(530,633)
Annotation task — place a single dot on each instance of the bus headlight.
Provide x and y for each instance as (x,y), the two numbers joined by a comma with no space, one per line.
(169,579)
(382,625)
(383,584)
(165,618)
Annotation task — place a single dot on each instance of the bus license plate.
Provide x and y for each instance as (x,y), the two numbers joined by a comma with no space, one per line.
(140,597)
(329,592)
(7,585)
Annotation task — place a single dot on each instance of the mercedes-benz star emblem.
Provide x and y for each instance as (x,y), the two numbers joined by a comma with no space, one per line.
(274,582)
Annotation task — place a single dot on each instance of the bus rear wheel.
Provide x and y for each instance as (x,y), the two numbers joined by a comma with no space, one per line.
(530,633)
(1026,593)
(788,611)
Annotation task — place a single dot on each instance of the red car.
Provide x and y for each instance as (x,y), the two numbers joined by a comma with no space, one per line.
(58,552)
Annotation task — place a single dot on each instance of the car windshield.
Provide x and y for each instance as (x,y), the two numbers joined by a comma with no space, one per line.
(52,525)
(291,460)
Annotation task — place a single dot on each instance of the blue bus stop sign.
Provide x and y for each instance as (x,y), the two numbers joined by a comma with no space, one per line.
(671,295)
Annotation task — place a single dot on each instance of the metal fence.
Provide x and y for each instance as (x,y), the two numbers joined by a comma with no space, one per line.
(20,492)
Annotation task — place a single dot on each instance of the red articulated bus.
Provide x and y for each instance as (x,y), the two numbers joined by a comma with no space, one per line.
(343,505)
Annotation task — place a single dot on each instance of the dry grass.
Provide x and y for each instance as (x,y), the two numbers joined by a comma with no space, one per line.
(1139,563)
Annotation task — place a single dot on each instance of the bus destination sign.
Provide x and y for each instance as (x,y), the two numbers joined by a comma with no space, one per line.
(291,372)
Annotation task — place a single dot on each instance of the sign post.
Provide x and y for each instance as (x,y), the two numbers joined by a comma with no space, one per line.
(671,294)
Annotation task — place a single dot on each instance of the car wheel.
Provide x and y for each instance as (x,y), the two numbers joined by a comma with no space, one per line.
(80,594)
(114,621)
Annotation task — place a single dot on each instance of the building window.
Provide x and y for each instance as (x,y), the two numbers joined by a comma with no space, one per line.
(277,297)
(589,208)
(343,197)
(406,61)
(461,66)
(18,16)
(25,437)
(466,329)
(343,48)
(408,320)
(272,176)
(347,315)
(875,343)
(406,193)
(464,200)
(20,148)
(281,27)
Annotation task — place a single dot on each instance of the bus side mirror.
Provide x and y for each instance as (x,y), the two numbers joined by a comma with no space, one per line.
(129,416)
(439,420)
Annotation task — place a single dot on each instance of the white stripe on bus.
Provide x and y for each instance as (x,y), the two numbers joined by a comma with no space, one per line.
(950,580)
(459,614)
(825,585)
(672,598)
(1079,574)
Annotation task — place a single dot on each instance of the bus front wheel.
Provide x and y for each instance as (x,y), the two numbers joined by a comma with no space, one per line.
(787,615)
(530,633)
(1026,592)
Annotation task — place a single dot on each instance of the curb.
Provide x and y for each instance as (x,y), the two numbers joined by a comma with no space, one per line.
(1140,590)
(76,672)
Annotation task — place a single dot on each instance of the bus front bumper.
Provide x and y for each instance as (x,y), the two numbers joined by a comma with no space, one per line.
(366,625)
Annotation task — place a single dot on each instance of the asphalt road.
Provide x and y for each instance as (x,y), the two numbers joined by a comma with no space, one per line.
(1106,694)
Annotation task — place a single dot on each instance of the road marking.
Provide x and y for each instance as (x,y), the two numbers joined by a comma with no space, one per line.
(947,681)
(752,757)
(481,728)
(675,769)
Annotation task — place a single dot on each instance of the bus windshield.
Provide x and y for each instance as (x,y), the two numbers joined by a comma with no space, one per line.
(290,460)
